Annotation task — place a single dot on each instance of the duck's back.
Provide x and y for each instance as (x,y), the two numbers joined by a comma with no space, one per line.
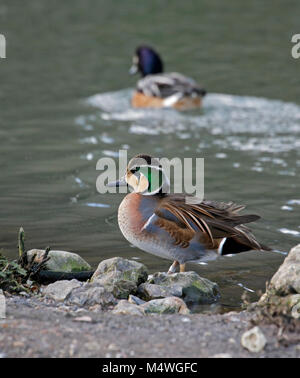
(168,90)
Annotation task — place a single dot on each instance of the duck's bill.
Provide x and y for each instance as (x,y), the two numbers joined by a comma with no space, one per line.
(133,69)
(117,183)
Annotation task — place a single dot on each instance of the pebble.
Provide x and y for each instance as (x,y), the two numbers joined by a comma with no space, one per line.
(222,355)
(254,340)
(86,319)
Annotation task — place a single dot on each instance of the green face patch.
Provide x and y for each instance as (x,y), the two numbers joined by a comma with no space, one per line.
(154,177)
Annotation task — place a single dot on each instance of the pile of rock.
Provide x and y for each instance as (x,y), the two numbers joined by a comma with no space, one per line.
(281,301)
(124,286)
(283,293)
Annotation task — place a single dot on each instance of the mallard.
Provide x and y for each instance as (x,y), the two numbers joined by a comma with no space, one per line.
(168,226)
(157,89)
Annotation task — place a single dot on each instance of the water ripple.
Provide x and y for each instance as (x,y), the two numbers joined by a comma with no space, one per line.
(238,122)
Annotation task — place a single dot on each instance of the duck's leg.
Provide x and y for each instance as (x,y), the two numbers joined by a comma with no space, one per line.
(182,268)
(173,267)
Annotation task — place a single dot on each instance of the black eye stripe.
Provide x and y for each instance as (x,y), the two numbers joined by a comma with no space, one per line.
(134,170)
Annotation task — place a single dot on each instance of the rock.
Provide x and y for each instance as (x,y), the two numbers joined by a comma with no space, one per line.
(135,300)
(222,355)
(254,340)
(188,285)
(60,290)
(170,305)
(90,295)
(292,300)
(275,304)
(126,308)
(2,305)
(294,304)
(120,276)
(61,261)
(130,270)
(283,294)
(84,319)
(287,279)
(150,291)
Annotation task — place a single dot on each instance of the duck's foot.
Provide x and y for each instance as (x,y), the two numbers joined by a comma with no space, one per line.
(182,268)
(173,267)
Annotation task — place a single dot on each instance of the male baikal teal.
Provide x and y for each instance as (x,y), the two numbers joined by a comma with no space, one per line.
(167,226)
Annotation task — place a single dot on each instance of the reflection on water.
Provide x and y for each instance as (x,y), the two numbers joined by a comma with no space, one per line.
(272,124)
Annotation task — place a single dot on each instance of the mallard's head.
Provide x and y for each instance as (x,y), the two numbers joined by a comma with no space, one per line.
(146,61)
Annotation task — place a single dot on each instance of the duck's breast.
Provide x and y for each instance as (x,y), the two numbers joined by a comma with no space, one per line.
(134,212)
(137,222)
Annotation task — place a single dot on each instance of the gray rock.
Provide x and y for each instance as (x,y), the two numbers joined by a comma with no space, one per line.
(286,305)
(287,279)
(60,290)
(295,306)
(61,261)
(135,300)
(170,305)
(150,291)
(91,294)
(254,340)
(83,319)
(188,285)
(120,276)
(222,355)
(2,305)
(126,308)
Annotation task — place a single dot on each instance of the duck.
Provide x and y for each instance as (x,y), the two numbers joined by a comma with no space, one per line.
(157,89)
(170,227)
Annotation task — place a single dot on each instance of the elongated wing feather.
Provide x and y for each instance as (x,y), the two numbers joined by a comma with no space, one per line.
(211,220)
(181,236)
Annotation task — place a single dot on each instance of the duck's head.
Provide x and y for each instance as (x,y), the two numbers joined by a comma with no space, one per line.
(146,61)
(145,175)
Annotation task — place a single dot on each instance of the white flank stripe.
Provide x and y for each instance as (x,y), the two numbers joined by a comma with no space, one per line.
(221,246)
(148,222)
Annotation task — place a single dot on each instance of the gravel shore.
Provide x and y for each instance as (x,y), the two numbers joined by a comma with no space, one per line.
(33,328)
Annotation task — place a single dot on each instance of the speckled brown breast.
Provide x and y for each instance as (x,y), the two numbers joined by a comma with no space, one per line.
(129,218)
(139,100)
(131,224)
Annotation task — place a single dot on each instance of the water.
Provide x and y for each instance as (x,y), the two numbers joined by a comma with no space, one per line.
(64,100)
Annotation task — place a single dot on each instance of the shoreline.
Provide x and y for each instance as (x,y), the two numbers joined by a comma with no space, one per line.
(124,312)
(34,329)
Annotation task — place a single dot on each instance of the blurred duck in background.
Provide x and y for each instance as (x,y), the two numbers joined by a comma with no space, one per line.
(157,89)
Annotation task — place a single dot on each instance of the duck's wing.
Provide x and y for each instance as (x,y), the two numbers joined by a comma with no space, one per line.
(169,84)
(211,220)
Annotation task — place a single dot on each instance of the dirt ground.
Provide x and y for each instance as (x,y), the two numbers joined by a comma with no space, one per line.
(36,329)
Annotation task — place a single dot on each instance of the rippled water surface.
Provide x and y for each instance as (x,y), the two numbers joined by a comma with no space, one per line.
(64,106)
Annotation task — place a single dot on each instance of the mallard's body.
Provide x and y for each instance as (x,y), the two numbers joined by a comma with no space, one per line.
(140,100)
(163,90)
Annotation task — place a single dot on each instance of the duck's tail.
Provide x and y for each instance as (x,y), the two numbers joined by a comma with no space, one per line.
(242,242)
